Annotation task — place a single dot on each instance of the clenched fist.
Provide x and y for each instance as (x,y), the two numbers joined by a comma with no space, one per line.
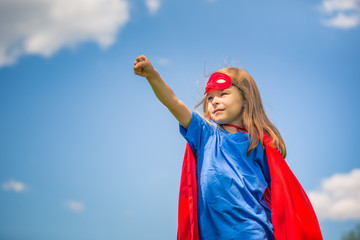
(144,68)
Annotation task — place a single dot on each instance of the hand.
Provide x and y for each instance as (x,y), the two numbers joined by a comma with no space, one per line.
(144,68)
(163,92)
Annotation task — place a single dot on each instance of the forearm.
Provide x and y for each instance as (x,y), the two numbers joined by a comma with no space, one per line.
(162,91)
(167,97)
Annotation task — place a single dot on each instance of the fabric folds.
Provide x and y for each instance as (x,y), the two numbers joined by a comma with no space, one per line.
(292,214)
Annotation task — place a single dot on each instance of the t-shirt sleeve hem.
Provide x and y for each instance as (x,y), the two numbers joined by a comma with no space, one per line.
(195,131)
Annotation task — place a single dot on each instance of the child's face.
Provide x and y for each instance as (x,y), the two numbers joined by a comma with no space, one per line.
(224,106)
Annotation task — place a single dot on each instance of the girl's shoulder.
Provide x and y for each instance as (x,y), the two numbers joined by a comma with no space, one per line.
(198,119)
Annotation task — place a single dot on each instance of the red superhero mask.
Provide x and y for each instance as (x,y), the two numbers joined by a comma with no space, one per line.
(218,81)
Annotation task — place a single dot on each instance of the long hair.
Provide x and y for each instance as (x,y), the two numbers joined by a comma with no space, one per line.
(253,117)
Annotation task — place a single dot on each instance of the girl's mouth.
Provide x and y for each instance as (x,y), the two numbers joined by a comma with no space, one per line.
(218,110)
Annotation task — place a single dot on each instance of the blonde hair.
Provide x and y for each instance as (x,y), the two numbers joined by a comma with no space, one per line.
(253,117)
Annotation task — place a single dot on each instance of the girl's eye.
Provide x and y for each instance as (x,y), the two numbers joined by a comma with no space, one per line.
(223,94)
(210,98)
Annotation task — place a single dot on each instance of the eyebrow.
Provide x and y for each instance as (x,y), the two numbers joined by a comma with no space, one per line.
(221,90)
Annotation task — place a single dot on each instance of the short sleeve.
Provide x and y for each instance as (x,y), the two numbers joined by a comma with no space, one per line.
(198,131)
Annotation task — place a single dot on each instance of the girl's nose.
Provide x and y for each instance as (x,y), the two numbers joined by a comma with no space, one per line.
(215,101)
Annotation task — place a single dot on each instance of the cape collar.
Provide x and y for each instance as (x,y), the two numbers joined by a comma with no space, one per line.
(238,128)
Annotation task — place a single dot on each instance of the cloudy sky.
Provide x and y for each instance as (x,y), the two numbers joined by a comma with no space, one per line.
(87,152)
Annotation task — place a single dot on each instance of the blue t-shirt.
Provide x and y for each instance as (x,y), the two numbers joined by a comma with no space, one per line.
(230,183)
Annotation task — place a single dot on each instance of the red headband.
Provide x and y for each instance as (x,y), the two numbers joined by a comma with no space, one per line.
(218,81)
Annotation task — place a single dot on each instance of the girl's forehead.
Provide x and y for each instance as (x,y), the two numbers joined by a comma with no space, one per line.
(214,91)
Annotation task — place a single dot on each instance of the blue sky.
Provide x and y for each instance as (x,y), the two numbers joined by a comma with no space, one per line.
(89,153)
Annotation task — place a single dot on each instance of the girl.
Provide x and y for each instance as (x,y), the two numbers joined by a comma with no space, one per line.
(238,154)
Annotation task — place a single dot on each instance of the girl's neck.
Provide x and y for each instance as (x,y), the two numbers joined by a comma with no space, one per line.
(232,128)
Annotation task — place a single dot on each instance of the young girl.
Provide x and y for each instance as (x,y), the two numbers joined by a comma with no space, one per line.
(234,144)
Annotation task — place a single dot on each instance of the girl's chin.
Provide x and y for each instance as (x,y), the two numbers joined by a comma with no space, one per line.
(218,121)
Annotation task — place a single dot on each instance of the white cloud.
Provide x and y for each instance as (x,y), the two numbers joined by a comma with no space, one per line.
(44,26)
(339,5)
(339,197)
(341,13)
(152,5)
(343,21)
(75,206)
(12,185)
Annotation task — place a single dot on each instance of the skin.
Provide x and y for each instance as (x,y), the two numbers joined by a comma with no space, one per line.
(224,105)
(163,92)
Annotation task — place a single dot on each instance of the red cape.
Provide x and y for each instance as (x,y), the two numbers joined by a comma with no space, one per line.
(292,214)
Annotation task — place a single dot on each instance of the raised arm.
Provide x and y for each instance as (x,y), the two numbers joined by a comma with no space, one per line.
(163,92)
